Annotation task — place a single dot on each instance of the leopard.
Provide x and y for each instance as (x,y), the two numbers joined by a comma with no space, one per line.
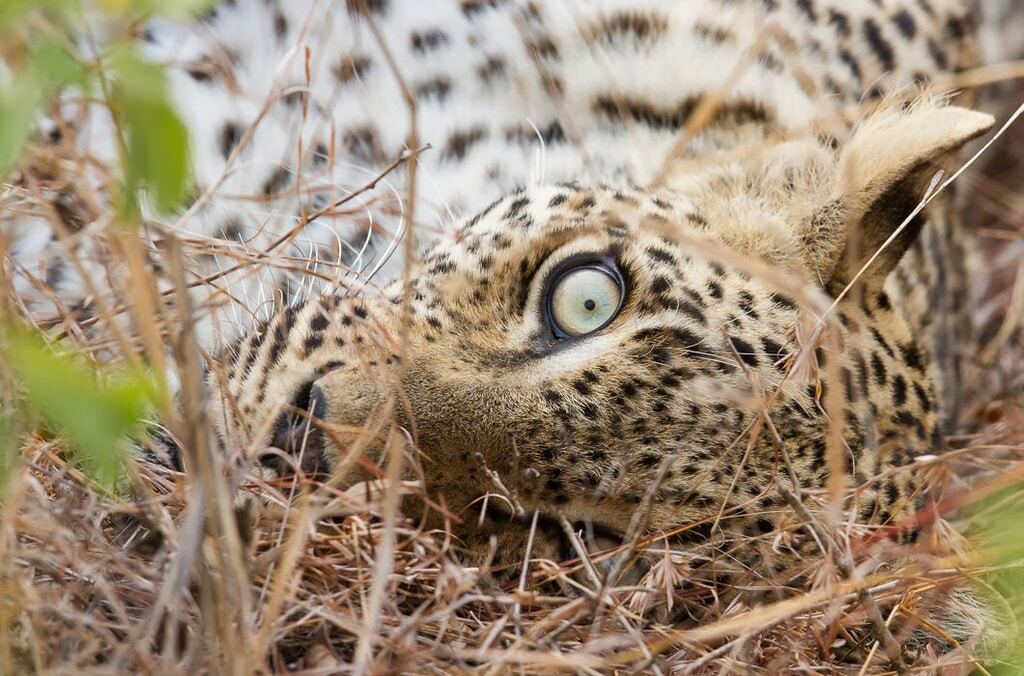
(687,268)
(588,352)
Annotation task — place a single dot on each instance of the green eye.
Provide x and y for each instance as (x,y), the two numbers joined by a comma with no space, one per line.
(584,299)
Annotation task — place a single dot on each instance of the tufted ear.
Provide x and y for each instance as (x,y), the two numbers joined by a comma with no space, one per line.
(882,175)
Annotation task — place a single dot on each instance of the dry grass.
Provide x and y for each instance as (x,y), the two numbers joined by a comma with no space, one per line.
(181,579)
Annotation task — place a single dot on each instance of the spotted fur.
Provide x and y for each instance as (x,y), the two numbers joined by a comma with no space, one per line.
(293,106)
(711,386)
(556,137)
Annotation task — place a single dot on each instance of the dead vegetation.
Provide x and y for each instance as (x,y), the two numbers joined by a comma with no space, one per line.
(187,577)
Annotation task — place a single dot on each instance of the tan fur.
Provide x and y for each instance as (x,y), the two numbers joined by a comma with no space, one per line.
(579,430)
(728,269)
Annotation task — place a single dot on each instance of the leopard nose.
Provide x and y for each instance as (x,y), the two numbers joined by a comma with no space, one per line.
(317,400)
(298,436)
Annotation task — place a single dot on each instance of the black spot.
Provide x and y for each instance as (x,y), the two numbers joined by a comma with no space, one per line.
(697,220)
(548,134)
(437,89)
(907,419)
(807,7)
(544,48)
(923,398)
(460,142)
(878,368)
(619,109)
(357,7)
(912,356)
(693,311)
(491,69)
(230,135)
(852,392)
(471,8)
(661,285)
(882,341)
(277,181)
(319,323)
(277,345)
(313,342)
(428,41)
(254,347)
(200,73)
(630,26)
(840,21)
(685,338)
(882,48)
(661,256)
(905,23)
(746,301)
(956,28)
(774,351)
(362,144)
(745,350)
(851,62)
(938,54)
(332,365)
(516,207)
(670,381)
(899,390)
(280,26)
(782,301)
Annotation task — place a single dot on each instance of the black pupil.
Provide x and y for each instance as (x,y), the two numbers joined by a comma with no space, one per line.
(589,304)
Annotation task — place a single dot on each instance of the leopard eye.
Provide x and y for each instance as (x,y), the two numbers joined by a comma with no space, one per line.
(584,299)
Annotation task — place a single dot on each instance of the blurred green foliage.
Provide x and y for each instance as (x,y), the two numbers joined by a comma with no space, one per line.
(47,66)
(96,412)
(156,145)
(46,52)
(996,527)
(42,55)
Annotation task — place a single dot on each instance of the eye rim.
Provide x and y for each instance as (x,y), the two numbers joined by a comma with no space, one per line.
(603,264)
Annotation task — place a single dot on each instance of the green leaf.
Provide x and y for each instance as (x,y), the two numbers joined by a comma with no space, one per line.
(96,415)
(10,459)
(173,8)
(997,530)
(18,103)
(50,67)
(53,66)
(13,11)
(157,141)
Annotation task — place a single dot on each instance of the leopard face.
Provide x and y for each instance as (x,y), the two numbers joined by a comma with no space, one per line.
(581,353)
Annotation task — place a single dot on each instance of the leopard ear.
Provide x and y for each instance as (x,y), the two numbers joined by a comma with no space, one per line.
(883,173)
